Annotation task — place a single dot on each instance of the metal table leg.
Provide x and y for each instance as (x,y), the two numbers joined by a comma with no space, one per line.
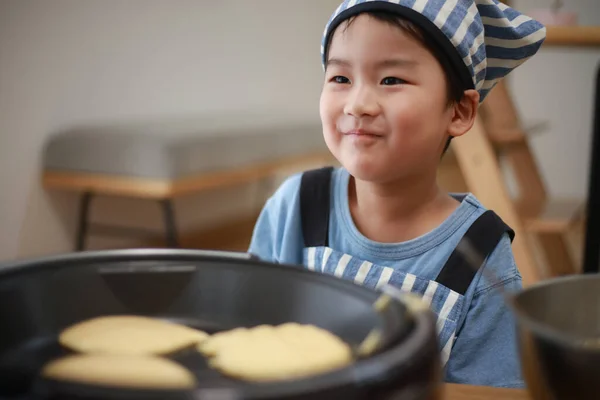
(170,226)
(83,223)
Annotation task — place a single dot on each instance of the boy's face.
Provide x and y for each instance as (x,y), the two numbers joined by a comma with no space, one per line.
(384,103)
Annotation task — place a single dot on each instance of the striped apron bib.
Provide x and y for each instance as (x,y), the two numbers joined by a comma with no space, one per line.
(445,294)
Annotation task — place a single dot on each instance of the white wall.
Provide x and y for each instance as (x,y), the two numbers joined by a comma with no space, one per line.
(65,62)
(558,86)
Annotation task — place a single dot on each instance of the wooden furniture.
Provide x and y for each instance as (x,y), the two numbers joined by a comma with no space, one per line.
(572,36)
(163,191)
(163,164)
(499,139)
(156,189)
(549,220)
(465,392)
(584,36)
(477,165)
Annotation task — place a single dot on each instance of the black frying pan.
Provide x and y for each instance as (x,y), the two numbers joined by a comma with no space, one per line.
(211,291)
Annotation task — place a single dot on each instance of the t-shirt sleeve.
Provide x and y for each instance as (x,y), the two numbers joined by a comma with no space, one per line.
(486,351)
(277,235)
(264,240)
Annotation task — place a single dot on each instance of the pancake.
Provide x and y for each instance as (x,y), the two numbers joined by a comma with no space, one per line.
(269,353)
(138,372)
(129,335)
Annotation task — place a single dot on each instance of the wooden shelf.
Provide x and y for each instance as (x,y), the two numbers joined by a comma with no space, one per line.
(573,36)
(507,136)
(554,216)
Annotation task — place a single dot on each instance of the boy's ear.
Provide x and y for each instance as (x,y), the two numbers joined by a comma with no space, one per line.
(465,112)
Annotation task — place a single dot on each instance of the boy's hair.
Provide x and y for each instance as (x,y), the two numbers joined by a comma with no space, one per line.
(454,88)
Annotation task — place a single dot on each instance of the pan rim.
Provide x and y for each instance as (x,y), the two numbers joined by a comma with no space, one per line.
(8,269)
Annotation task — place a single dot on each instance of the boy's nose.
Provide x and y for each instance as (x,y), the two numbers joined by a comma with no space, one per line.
(361,102)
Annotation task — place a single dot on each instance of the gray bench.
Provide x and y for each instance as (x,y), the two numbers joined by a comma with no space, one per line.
(164,162)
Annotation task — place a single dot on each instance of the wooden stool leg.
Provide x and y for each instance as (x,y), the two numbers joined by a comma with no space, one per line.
(556,253)
(170,226)
(83,223)
(483,176)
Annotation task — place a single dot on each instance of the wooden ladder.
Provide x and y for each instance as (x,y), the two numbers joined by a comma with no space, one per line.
(475,164)
(470,165)
(549,220)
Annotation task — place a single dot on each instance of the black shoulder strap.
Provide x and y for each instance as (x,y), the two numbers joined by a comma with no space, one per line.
(315,193)
(476,245)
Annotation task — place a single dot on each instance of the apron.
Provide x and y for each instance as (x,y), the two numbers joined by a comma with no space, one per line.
(445,295)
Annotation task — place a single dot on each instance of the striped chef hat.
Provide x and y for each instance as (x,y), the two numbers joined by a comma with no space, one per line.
(483,40)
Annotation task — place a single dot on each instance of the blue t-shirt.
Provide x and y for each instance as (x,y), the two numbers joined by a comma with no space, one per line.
(485,350)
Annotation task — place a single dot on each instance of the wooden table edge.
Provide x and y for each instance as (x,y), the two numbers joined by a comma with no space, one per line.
(469,392)
(157,188)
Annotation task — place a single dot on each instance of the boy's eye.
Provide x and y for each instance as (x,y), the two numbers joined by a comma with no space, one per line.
(392,81)
(340,79)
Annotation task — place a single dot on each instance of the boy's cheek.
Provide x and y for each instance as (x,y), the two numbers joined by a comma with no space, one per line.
(329,98)
(332,138)
(415,119)
(330,108)
(406,120)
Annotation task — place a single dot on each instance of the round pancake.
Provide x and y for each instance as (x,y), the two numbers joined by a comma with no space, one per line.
(211,346)
(268,353)
(138,372)
(129,335)
(219,340)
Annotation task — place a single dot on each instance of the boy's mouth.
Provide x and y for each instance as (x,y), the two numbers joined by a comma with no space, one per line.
(362,133)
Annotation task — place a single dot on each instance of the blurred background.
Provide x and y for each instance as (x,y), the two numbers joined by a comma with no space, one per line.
(184,72)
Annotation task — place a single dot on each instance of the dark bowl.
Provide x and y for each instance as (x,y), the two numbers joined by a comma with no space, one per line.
(559,337)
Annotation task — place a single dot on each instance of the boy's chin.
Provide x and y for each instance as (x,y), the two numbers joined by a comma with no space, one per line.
(368,172)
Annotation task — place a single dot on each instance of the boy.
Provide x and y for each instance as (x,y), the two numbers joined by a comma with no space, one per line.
(402,78)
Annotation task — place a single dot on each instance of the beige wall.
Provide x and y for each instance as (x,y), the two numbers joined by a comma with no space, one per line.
(65,62)
(558,86)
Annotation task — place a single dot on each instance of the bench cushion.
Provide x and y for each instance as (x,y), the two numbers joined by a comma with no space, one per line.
(172,153)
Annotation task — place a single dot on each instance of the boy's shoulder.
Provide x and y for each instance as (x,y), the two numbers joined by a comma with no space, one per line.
(500,266)
(288,191)
(471,200)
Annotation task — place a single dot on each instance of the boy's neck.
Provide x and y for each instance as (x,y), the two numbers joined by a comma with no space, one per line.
(399,211)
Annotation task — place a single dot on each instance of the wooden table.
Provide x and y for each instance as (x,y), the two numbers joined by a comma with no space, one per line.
(464,392)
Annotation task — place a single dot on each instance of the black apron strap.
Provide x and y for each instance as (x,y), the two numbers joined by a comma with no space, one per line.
(315,193)
(482,237)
